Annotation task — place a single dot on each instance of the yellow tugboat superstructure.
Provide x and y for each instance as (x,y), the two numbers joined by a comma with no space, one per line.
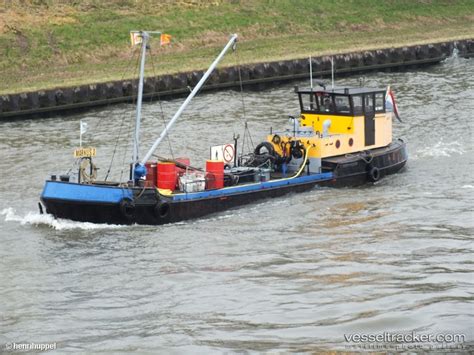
(337,122)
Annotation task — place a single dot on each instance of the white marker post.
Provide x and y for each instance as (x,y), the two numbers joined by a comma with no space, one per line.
(332,72)
(83,130)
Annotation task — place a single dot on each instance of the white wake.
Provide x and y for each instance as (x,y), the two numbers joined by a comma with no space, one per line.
(37,219)
(441,149)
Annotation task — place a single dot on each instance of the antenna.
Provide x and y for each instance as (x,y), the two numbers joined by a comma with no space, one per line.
(311,97)
(332,72)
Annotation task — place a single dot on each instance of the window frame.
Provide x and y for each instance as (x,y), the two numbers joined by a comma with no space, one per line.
(382,94)
(366,95)
(361,111)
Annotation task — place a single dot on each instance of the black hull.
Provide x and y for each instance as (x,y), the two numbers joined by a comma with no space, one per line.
(153,209)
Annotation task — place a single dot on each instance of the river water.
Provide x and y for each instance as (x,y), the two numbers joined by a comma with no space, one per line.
(296,274)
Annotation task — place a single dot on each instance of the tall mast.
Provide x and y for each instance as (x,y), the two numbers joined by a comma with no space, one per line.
(178,113)
(136,140)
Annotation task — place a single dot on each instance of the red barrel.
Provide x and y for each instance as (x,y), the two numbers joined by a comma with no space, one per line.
(150,174)
(166,177)
(215,170)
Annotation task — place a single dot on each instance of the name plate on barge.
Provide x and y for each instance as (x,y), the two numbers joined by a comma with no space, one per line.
(88,152)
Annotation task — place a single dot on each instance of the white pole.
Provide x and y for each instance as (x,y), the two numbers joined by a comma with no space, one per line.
(188,99)
(136,141)
(81,131)
(332,72)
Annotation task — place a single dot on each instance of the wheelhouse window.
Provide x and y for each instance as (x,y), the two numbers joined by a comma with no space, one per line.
(357,104)
(308,102)
(380,102)
(369,103)
(326,103)
(339,103)
(342,104)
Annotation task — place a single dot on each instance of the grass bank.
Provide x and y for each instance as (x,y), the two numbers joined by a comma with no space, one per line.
(51,43)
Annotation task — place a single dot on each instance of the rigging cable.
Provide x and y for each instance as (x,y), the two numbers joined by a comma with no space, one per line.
(130,128)
(129,133)
(161,105)
(121,123)
(76,162)
(244,113)
(127,68)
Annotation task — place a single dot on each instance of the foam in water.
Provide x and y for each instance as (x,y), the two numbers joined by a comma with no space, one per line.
(441,149)
(453,56)
(37,219)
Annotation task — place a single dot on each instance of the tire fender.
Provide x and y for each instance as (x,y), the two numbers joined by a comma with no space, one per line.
(127,208)
(162,209)
(268,146)
(373,174)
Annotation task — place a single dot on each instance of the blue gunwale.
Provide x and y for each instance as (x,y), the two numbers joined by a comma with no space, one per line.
(112,194)
(251,187)
(84,193)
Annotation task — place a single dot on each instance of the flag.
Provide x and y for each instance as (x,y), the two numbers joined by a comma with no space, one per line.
(135,38)
(165,39)
(390,103)
(83,127)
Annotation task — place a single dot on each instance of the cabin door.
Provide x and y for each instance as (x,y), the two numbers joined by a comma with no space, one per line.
(369,119)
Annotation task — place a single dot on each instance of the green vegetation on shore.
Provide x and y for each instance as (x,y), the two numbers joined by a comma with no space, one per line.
(51,43)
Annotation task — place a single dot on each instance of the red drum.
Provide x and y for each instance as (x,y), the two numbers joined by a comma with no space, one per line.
(150,174)
(167,176)
(215,174)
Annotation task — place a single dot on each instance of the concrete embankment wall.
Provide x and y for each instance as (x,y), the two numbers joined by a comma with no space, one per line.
(68,99)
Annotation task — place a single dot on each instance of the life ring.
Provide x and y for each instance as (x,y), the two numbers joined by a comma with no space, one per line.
(86,164)
(162,209)
(374,174)
(127,208)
